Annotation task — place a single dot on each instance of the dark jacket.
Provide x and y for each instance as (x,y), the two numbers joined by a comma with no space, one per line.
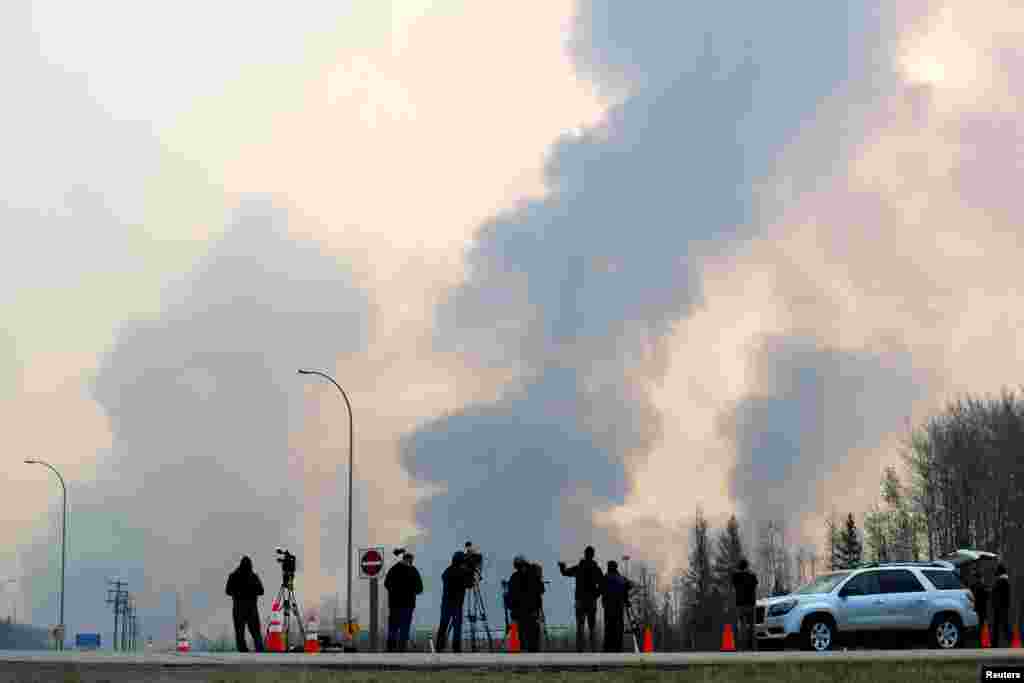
(243,583)
(456,579)
(745,584)
(980,592)
(615,593)
(403,584)
(525,588)
(1001,593)
(589,579)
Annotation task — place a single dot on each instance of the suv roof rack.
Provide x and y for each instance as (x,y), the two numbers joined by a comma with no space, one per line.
(907,563)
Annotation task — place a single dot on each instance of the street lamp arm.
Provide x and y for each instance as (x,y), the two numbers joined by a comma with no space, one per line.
(52,469)
(335,383)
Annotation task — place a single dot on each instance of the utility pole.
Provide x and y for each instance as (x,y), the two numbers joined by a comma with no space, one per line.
(114,598)
(131,623)
(128,606)
(374,613)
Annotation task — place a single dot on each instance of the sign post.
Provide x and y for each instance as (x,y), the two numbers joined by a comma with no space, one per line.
(371,564)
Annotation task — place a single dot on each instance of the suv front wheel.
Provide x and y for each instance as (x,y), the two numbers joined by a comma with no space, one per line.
(946,633)
(819,634)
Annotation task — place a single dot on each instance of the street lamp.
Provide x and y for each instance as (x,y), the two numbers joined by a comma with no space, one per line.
(63,542)
(348,599)
(14,606)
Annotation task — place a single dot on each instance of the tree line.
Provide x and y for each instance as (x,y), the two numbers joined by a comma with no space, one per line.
(959,488)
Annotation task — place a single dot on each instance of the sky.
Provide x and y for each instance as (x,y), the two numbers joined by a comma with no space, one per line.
(581,267)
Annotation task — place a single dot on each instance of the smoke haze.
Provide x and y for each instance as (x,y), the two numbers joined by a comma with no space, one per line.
(665,257)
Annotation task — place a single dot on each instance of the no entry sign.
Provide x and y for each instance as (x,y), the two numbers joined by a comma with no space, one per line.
(371,562)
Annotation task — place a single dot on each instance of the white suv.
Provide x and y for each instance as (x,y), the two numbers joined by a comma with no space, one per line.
(926,597)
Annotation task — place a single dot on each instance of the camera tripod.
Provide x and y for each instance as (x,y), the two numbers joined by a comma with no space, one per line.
(289,606)
(634,625)
(544,622)
(477,612)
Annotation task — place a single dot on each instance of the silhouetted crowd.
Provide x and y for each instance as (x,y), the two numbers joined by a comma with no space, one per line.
(524,601)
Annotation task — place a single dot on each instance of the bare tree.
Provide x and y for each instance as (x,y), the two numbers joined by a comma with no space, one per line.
(965,468)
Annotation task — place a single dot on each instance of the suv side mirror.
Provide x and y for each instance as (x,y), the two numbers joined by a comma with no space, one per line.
(847,592)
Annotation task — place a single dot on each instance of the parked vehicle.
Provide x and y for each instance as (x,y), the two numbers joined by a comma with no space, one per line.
(892,599)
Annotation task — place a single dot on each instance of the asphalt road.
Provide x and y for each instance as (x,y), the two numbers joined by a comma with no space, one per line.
(552,660)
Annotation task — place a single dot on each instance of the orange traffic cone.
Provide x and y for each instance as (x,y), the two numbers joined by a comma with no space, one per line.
(183,645)
(1016,637)
(648,640)
(986,639)
(513,638)
(312,638)
(275,639)
(728,642)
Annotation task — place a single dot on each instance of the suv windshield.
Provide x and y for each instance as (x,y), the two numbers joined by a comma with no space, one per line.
(822,584)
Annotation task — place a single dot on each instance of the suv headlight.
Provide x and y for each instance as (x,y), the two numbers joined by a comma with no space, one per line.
(780,608)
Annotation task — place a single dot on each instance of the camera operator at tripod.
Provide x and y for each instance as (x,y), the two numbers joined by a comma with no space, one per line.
(456,579)
(589,586)
(245,588)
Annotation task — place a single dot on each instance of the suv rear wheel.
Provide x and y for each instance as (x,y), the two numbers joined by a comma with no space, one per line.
(819,634)
(946,633)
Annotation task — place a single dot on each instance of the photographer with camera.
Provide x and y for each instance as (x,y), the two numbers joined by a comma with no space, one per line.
(589,586)
(456,579)
(403,584)
(245,587)
(525,591)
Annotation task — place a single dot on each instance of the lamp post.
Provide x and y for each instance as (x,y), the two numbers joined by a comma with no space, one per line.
(14,607)
(63,542)
(348,598)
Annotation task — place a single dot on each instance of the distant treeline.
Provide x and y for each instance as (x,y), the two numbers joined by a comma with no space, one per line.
(23,637)
(960,488)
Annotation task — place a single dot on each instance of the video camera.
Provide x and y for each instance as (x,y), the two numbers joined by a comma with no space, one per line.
(288,564)
(474,560)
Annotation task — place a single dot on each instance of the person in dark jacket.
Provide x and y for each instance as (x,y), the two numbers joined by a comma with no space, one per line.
(245,587)
(589,584)
(1001,607)
(456,579)
(980,592)
(744,582)
(403,583)
(525,591)
(613,599)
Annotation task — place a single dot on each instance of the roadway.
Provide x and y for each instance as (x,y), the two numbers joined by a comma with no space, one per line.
(419,660)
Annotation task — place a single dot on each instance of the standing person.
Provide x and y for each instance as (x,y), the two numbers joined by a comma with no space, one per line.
(245,588)
(403,583)
(525,589)
(745,584)
(589,584)
(613,598)
(456,579)
(1001,606)
(980,592)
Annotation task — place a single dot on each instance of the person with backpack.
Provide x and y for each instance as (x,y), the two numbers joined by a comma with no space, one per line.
(525,596)
(614,598)
(403,583)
